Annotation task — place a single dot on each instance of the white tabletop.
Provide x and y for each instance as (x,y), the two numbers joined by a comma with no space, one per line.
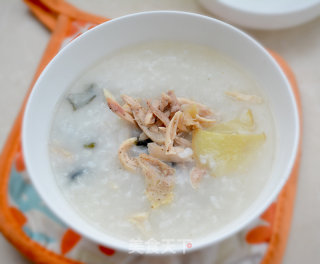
(23,40)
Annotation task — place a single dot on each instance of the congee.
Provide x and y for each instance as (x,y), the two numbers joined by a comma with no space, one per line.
(162,140)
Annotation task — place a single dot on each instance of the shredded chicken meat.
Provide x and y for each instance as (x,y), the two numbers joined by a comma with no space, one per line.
(160,153)
(245,97)
(127,162)
(159,180)
(171,133)
(166,125)
(118,109)
(196,176)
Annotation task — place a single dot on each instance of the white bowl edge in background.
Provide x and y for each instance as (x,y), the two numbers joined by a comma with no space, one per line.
(271,19)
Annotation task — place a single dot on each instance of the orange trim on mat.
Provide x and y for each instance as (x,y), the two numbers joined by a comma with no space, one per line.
(45,15)
(285,202)
(69,240)
(20,166)
(9,226)
(56,15)
(260,234)
(269,215)
(263,233)
(18,215)
(62,7)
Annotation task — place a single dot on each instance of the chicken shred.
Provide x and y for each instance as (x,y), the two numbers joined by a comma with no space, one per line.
(140,220)
(127,108)
(175,104)
(188,123)
(140,217)
(139,114)
(159,152)
(182,142)
(154,108)
(171,133)
(126,161)
(117,108)
(56,148)
(142,136)
(164,102)
(245,97)
(149,118)
(196,176)
(203,109)
(205,122)
(159,180)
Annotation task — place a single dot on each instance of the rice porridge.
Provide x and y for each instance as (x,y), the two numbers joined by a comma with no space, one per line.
(208,155)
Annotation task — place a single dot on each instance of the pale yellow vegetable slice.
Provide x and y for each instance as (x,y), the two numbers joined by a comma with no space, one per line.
(223,153)
(244,123)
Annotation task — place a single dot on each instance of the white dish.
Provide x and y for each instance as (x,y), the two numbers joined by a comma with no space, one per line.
(264,14)
(191,71)
(111,36)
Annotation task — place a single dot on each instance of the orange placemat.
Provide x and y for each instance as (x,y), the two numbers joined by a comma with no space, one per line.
(24,219)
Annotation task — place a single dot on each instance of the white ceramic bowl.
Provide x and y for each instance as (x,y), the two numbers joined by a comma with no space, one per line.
(264,14)
(143,27)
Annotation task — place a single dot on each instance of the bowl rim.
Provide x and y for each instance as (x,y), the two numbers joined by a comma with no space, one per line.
(27,151)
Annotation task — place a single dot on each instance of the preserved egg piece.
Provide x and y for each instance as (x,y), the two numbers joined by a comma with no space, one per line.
(79,100)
